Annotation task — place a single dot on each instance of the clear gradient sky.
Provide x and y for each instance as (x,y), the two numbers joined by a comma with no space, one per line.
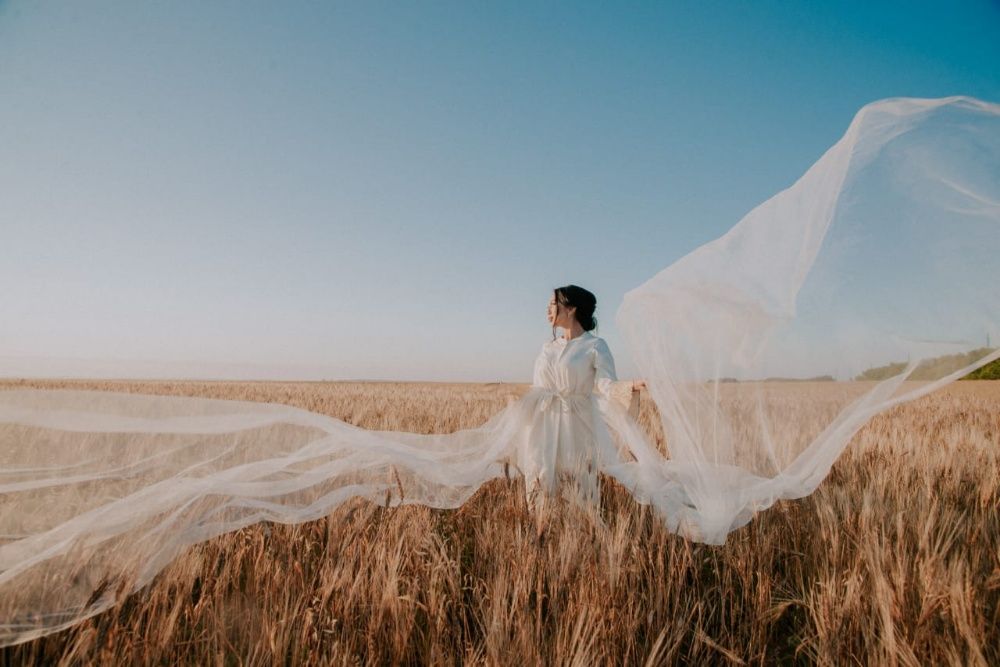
(391,190)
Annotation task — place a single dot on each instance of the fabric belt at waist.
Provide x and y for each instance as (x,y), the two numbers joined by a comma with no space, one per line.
(561,397)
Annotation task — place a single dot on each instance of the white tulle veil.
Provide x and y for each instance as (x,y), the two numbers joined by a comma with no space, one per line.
(870,281)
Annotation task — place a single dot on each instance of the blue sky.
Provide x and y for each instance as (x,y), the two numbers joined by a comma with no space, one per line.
(391,190)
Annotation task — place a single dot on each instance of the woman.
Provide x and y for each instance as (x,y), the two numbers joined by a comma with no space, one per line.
(569,437)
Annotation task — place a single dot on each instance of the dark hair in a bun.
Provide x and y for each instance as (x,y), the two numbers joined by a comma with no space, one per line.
(573,296)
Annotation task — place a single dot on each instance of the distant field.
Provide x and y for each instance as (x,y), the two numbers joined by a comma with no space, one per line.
(895,558)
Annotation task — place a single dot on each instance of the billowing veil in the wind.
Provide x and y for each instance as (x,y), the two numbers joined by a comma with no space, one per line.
(878,269)
(876,275)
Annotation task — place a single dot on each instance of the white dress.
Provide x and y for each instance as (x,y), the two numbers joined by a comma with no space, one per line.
(567,437)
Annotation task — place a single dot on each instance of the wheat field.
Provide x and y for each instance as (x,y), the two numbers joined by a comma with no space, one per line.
(895,559)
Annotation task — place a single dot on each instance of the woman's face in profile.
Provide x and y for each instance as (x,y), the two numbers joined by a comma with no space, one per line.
(558,315)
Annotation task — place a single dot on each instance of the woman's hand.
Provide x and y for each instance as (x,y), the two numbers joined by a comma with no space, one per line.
(638,384)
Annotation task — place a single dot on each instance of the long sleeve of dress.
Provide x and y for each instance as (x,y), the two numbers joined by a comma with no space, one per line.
(607,384)
(604,369)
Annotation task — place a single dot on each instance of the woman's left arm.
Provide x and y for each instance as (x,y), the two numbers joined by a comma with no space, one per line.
(606,383)
(604,369)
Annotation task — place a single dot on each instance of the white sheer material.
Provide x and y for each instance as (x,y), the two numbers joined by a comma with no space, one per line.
(876,272)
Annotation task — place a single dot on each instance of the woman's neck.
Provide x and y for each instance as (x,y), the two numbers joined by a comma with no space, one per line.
(573,331)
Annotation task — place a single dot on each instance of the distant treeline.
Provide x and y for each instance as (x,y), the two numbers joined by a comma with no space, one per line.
(929,369)
(932,369)
(818,378)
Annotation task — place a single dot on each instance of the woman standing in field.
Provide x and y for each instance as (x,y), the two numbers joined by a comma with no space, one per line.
(573,373)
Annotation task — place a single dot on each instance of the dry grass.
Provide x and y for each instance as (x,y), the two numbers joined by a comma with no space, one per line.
(894,559)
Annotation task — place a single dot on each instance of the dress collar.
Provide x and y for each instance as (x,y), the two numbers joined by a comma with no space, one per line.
(563,340)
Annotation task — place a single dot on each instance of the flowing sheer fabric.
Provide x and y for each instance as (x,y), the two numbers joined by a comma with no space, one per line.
(876,272)
(875,275)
